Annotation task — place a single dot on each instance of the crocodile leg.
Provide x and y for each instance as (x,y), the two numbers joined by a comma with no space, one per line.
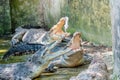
(17,37)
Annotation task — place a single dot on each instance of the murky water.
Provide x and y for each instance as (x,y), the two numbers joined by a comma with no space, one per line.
(60,74)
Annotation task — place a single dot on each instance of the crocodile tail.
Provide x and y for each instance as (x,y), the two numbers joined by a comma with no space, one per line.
(22,48)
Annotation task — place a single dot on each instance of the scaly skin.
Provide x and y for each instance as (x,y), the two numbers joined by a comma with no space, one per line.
(71,59)
(25,48)
(33,67)
(22,48)
(27,36)
(35,35)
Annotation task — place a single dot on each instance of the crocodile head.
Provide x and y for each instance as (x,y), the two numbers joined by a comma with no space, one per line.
(75,42)
(42,58)
(57,30)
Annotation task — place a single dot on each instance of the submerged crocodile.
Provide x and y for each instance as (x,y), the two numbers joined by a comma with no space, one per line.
(34,66)
(34,39)
(97,70)
(38,36)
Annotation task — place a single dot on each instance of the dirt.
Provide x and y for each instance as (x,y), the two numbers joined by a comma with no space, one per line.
(106,52)
(94,48)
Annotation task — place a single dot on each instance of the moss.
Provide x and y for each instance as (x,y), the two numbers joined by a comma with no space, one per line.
(26,12)
(4,17)
(91,18)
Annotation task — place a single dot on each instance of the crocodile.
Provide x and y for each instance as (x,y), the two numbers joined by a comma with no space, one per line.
(31,44)
(27,48)
(97,70)
(34,66)
(36,36)
(73,59)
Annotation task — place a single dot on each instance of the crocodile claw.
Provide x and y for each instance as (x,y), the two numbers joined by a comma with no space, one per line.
(51,68)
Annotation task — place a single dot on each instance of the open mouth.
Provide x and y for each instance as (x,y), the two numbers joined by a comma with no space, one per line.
(75,41)
(57,30)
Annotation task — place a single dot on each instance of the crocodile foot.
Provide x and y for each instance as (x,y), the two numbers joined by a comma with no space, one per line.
(51,68)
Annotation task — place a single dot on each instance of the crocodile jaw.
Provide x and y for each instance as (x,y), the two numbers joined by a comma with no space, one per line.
(75,41)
